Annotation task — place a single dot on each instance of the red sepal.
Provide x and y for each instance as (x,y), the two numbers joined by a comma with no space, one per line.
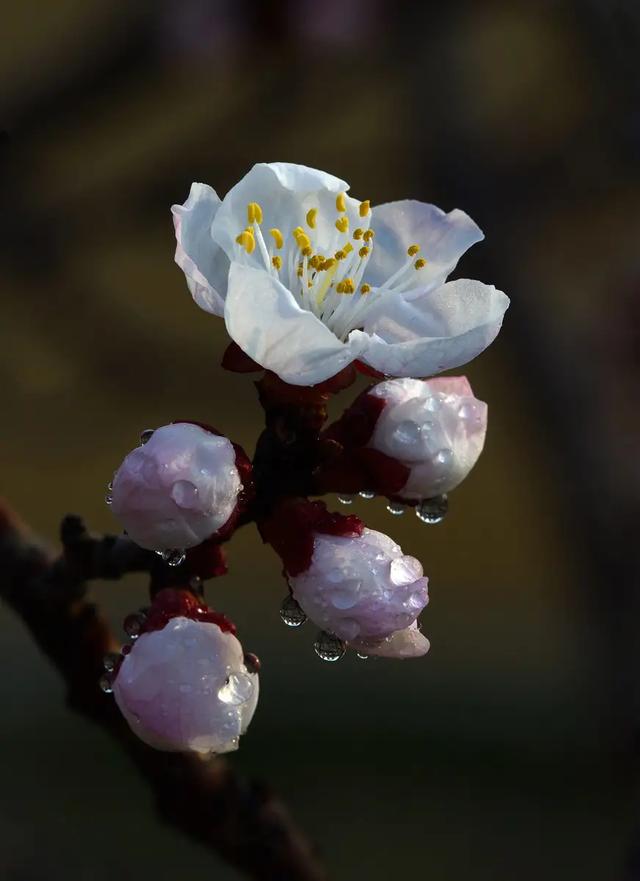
(292,526)
(237,361)
(174,602)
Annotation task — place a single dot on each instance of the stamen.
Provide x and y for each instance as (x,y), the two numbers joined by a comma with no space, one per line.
(365,207)
(420,264)
(307,252)
(254,213)
(278,238)
(302,240)
(340,255)
(341,202)
(247,241)
(348,248)
(365,288)
(363,251)
(311,217)
(277,261)
(358,233)
(342,224)
(368,235)
(412,250)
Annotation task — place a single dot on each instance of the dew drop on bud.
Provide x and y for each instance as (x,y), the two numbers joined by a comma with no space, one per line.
(328,647)
(252,662)
(396,508)
(110,661)
(133,625)
(345,500)
(145,435)
(173,557)
(433,510)
(106,684)
(108,498)
(367,494)
(291,613)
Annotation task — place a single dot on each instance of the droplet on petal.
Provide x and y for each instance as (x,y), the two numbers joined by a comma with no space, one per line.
(106,683)
(173,557)
(328,647)
(396,508)
(111,661)
(345,500)
(434,510)
(367,494)
(146,435)
(291,613)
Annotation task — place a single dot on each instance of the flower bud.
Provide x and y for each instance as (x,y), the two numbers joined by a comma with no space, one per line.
(435,428)
(184,684)
(408,439)
(351,581)
(184,485)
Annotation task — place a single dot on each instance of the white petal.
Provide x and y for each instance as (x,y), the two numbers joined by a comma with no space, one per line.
(264,319)
(285,192)
(443,239)
(203,262)
(434,332)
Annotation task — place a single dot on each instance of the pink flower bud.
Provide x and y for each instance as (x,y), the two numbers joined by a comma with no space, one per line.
(186,687)
(179,488)
(435,428)
(360,587)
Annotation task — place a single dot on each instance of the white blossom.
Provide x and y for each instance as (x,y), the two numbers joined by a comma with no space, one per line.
(309,279)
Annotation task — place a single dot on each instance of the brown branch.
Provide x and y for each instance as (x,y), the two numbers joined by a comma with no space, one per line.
(241,821)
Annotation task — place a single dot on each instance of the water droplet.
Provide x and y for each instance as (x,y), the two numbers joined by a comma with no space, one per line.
(466,411)
(173,557)
(329,647)
(433,403)
(145,435)
(184,493)
(362,657)
(108,497)
(291,613)
(396,508)
(444,458)
(133,625)
(346,596)
(237,689)
(406,434)
(106,683)
(433,510)
(110,661)
(345,500)
(252,662)
(367,494)
(404,570)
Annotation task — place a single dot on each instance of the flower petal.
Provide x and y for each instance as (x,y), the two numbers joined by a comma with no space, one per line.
(285,192)
(203,262)
(264,319)
(443,239)
(433,332)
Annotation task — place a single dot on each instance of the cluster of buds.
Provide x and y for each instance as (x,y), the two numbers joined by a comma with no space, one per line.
(315,288)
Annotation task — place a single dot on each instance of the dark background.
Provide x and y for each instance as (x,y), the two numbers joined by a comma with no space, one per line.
(508,752)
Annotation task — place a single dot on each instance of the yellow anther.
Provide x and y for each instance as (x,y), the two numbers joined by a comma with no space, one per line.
(365,208)
(278,238)
(341,202)
(347,249)
(328,264)
(349,286)
(298,231)
(363,251)
(339,255)
(303,241)
(365,288)
(299,272)
(342,224)
(358,233)
(420,264)
(412,250)
(368,235)
(254,213)
(247,241)
(277,261)
(307,252)
(340,287)
(311,217)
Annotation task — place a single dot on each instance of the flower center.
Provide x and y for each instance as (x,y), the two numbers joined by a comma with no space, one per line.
(330,285)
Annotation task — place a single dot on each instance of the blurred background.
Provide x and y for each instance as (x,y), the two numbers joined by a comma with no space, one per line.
(509,752)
